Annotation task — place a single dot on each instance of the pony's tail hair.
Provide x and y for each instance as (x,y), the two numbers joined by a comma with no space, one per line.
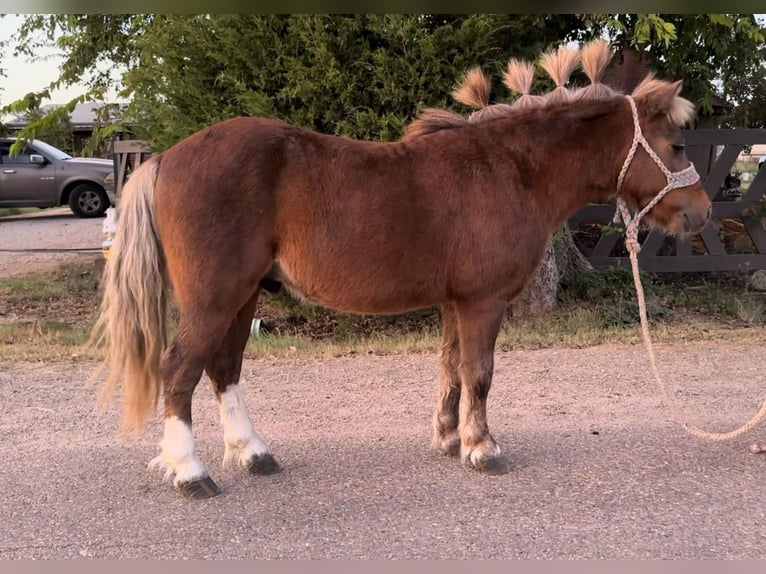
(518,78)
(473,91)
(559,65)
(132,320)
(596,57)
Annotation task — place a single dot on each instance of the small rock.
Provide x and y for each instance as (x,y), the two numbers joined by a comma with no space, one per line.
(758,280)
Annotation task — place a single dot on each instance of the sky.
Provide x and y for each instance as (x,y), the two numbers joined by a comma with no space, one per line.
(23,76)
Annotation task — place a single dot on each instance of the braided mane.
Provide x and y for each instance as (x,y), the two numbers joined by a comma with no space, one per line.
(594,58)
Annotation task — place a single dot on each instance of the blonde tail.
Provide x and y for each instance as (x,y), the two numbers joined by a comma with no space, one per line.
(132,321)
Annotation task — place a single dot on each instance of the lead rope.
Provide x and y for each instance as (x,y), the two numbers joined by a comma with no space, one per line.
(677,179)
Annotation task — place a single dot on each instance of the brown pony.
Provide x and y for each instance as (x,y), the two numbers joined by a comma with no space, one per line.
(456,215)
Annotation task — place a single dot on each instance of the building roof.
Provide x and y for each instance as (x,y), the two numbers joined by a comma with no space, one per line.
(83,116)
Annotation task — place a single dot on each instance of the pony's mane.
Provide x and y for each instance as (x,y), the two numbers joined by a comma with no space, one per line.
(473,90)
(518,77)
(559,65)
(474,93)
(431,120)
(594,58)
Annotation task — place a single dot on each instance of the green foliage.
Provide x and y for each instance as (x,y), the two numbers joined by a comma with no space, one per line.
(288,317)
(607,285)
(52,126)
(363,75)
(706,51)
(611,291)
(725,295)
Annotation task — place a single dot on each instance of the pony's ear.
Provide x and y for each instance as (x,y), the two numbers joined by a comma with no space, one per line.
(677,85)
(656,97)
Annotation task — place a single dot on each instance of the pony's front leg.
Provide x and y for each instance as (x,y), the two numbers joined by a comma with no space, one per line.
(177,457)
(446,415)
(478,326)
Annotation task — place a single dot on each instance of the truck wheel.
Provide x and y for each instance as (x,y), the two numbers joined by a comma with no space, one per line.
(88,200)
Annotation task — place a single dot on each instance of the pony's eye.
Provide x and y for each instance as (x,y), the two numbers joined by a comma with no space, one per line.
(678,147)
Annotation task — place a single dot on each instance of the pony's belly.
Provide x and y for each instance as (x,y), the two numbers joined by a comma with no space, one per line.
(369,292)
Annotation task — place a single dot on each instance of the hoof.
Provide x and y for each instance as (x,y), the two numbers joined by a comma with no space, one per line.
(263,465)
(448,445)
(490,465)
(197,489)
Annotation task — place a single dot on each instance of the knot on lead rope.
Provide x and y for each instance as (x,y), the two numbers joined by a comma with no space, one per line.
(632,245)
(631,237)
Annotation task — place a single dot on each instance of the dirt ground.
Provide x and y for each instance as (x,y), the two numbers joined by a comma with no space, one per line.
(598,468)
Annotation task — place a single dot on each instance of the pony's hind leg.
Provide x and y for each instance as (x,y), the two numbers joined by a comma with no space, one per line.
(242,444)
(478,325)
(446,414)
(199,334)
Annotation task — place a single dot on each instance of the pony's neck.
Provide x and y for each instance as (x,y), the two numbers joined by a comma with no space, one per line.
(573,154)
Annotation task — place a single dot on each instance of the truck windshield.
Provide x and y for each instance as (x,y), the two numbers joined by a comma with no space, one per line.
(49,150)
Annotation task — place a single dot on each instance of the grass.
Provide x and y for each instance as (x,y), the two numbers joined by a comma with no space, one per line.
(49,315)
(7,211)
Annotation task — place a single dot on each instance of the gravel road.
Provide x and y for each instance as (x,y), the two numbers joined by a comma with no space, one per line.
(598,469)
(47,229)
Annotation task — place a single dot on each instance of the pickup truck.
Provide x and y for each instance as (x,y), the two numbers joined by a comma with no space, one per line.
(42,175)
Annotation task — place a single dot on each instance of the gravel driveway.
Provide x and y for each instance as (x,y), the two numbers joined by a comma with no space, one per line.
(598,469)
(47,229)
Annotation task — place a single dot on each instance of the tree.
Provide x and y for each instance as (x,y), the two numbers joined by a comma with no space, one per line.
(748,93)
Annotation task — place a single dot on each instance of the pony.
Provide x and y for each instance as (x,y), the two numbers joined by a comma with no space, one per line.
(456,215)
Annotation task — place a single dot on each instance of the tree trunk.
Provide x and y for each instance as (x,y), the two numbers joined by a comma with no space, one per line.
(541,293)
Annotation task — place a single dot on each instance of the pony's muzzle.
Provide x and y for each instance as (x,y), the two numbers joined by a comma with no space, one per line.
(695,219)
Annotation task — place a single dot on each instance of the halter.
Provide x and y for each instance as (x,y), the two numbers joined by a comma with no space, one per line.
(675,179)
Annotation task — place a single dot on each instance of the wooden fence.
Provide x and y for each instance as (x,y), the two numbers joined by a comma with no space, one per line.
(128,155)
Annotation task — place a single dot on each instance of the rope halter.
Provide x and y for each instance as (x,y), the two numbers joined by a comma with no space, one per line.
(675,179)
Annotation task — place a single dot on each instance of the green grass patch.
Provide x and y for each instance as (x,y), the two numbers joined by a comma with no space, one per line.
(32,288)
